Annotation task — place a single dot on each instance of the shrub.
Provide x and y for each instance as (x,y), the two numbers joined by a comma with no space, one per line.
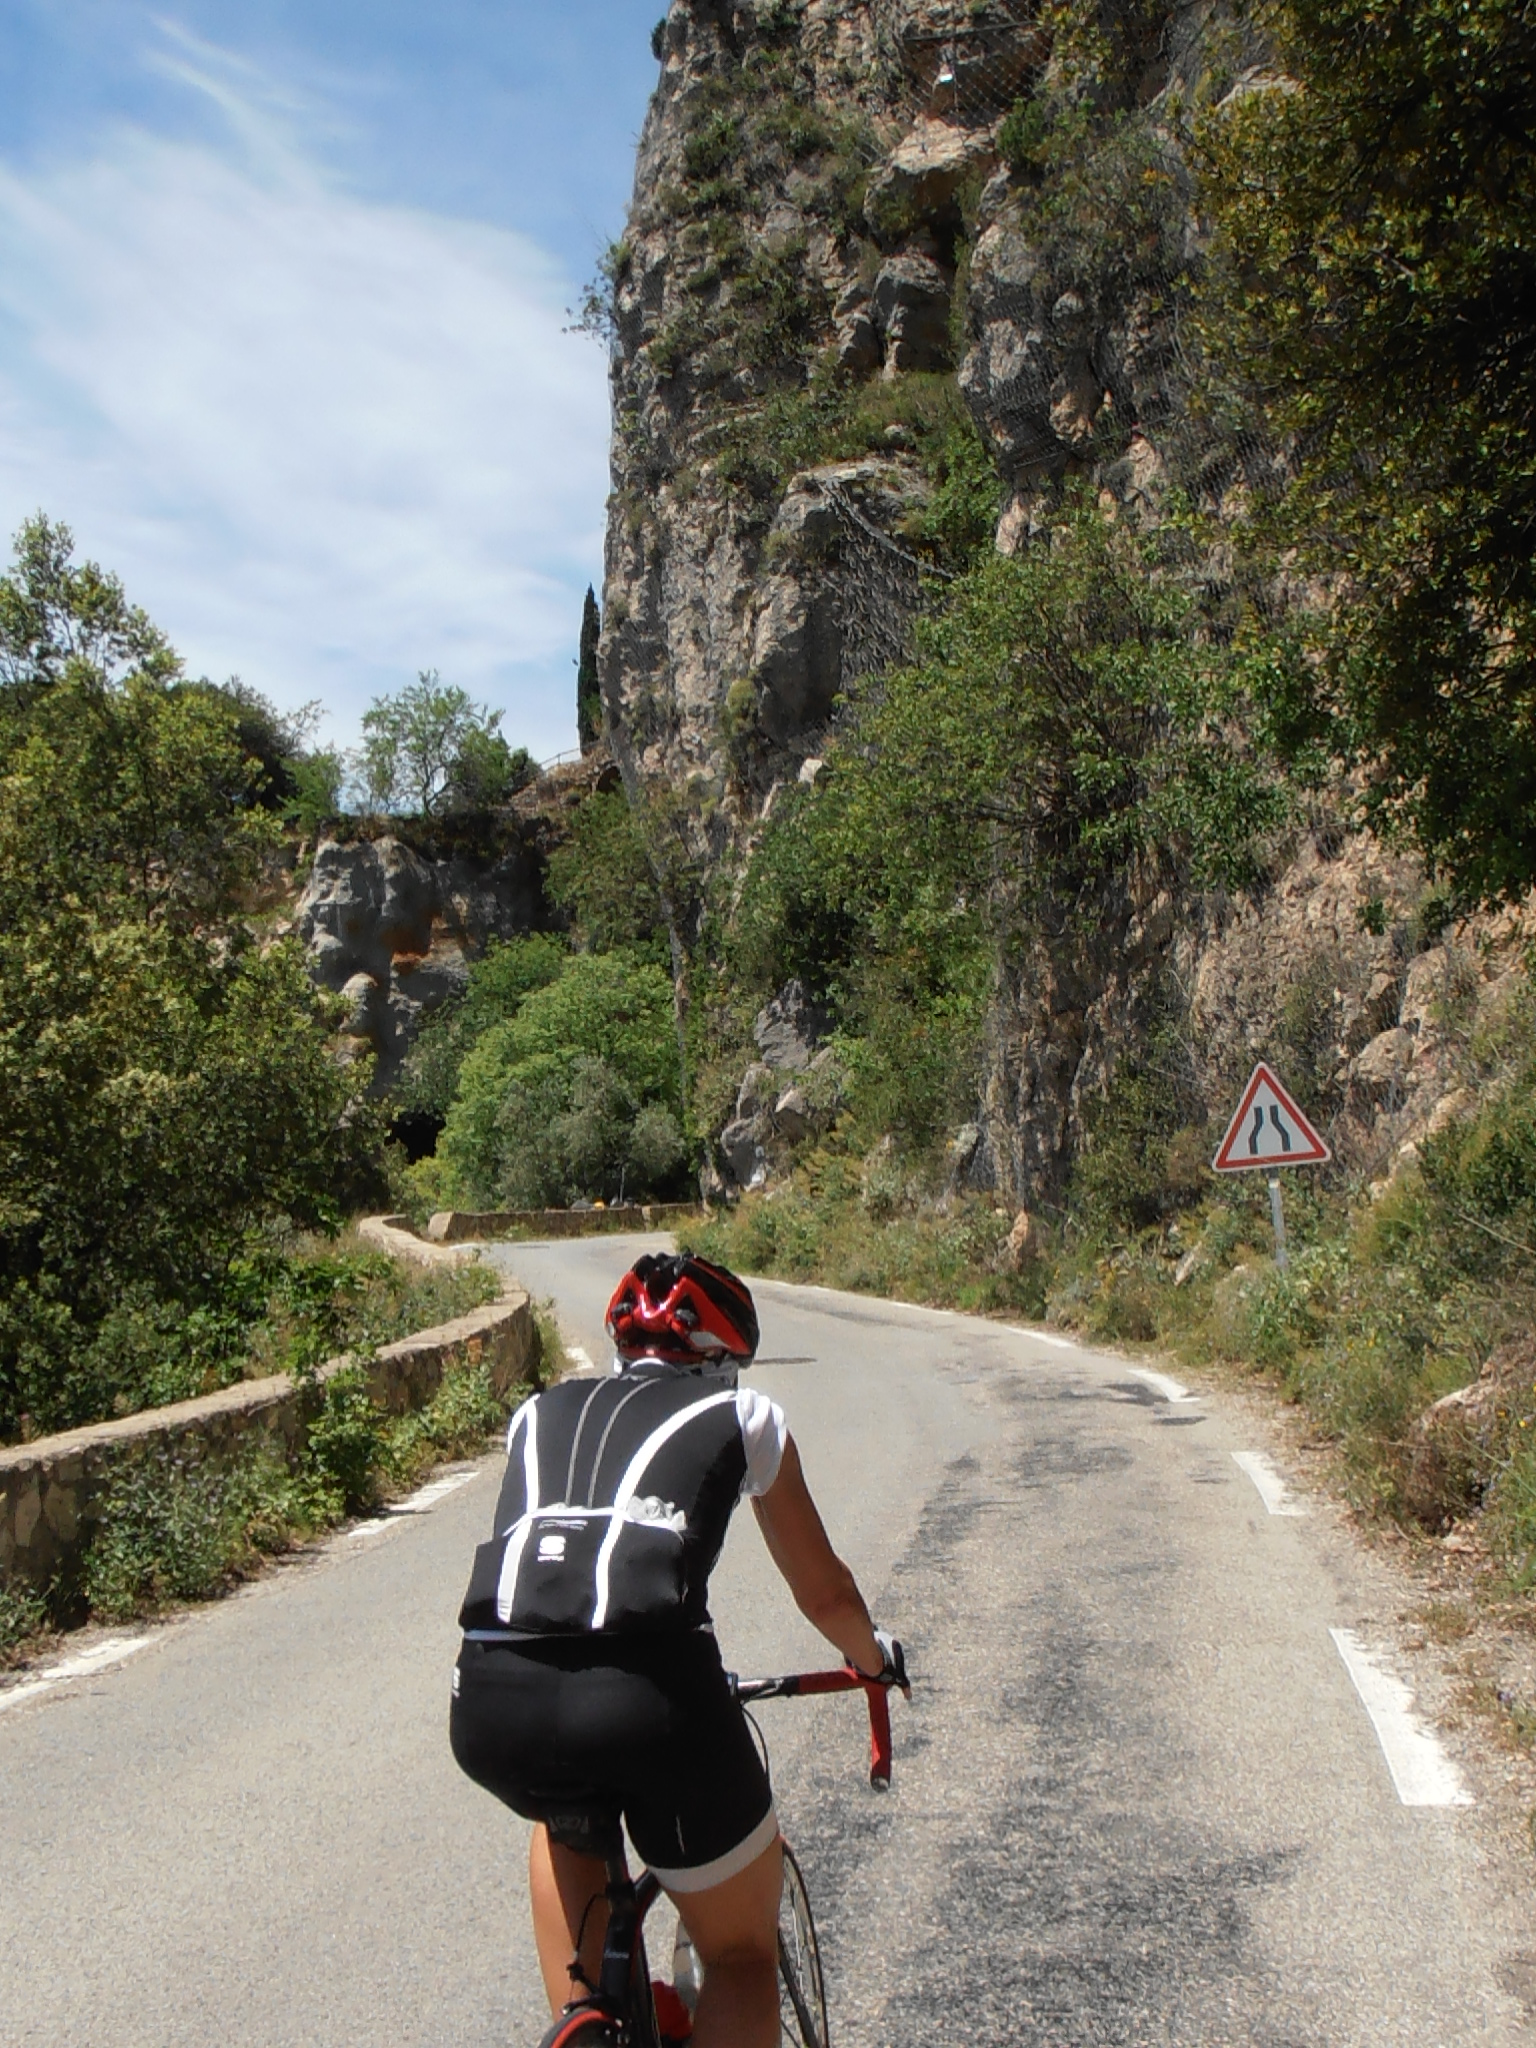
(173,1528)
(347,1442)
(578,1094)
(23,1614)
(509,971)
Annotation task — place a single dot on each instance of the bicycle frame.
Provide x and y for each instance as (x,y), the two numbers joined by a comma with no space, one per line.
(631,1898)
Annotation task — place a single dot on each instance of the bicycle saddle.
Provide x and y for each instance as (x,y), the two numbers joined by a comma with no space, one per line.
(586,1821)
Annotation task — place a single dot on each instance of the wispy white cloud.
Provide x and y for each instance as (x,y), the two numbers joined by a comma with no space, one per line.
(325,441)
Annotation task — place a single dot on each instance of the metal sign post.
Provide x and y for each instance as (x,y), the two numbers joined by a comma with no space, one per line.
(1269,1131)
(1277,1217)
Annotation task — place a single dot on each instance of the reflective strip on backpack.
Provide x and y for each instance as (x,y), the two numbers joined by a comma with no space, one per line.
(629,1486)
(506,1585)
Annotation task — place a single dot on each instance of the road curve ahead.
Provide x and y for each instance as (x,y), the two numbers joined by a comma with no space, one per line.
(1151,1788)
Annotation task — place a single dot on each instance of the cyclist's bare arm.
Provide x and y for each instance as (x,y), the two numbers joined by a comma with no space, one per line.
(825,1590)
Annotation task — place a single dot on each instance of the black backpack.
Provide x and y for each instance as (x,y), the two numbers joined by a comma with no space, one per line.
(615,1504)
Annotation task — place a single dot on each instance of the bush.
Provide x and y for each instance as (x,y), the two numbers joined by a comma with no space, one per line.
(574,1096)
(23,1615)
(498,982)
(817,1228)
(173,1528)
(347,1441)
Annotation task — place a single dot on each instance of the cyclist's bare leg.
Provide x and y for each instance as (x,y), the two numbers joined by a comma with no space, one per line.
(734,1927)
(561,1885)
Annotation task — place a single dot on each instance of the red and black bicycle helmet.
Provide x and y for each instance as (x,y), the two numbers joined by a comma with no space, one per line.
(681,1309)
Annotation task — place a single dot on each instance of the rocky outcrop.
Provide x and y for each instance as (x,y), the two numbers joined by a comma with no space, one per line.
(1459,1444)
(790,1092)
(393,930)
(799,195)
(828,211)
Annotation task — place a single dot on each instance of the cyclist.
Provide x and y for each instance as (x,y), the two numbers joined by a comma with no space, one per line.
(589,1673)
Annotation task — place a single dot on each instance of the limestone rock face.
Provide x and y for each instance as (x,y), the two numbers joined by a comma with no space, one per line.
(393,931)
(728,631)
(910,306)
(754,573)
(920,179)
(788,1030)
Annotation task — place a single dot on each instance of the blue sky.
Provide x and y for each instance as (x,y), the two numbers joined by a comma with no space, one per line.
(282,296)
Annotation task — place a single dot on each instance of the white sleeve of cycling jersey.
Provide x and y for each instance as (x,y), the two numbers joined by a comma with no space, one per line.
(763,1431)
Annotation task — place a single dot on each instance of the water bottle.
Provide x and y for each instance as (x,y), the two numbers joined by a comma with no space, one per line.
(686,1974)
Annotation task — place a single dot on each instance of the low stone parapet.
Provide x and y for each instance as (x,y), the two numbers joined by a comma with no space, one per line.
(393,1234)
(50,1490)
(462,1226)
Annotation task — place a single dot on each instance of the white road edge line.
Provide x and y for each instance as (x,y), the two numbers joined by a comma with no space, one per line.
(429,1495)
(100,1657)
(417,1503)
(1160,1383)
(1271,1487)
(580,1358)
(1044,1337)
(1421,1771)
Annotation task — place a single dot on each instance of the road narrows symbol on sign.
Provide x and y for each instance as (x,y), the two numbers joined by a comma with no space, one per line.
(1268,1130)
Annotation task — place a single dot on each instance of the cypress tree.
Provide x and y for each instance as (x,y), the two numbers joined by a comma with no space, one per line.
(589,703)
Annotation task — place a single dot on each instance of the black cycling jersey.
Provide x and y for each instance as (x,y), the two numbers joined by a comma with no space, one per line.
(614,1507)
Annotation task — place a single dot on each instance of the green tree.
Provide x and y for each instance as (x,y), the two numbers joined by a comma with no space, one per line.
(1071,729)
(430,746)
(165,1088)
(589,700)
(601,874)
(581,1083)
(497,984)
(1375,283)
(487,772)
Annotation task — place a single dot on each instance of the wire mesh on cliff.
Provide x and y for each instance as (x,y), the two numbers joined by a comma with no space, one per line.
(878,588)
(1110,206)
(955,61)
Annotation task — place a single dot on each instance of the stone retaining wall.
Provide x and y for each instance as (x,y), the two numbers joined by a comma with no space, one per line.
(50,1489)
(459,1226)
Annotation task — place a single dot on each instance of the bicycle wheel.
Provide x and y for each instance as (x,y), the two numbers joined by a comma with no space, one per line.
(802,1995)
(582,2030)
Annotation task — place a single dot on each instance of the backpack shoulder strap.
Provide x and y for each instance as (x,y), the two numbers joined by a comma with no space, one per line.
(629,1486)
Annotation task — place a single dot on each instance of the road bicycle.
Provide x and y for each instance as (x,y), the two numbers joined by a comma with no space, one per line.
(625,2009)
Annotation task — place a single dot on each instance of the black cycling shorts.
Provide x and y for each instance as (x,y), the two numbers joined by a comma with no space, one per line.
(562,1728)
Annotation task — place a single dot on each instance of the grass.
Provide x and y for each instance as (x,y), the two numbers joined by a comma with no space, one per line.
(336,1295)
(861,1229)
(284,1305)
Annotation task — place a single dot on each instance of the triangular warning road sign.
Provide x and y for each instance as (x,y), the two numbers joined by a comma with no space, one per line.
(1268,1130)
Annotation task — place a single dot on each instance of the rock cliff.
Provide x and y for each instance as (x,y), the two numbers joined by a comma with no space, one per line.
(391,922)
(846,218)
(393,931)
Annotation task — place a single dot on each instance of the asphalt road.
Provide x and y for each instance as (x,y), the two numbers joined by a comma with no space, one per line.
(1138,1797)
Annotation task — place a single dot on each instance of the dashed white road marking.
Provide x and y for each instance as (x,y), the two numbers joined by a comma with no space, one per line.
(1422,1772)
(579,1358)
(429,1495)
(1271,1487)
(1046,1337)
(417,1503)
(1160,1383)
(99,1657)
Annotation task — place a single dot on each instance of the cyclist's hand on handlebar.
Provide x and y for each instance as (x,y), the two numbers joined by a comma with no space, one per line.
(893,1666)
